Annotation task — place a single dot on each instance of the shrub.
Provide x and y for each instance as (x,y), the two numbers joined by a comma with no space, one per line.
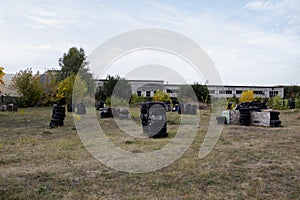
(247,96)
(136,99)
(161,96)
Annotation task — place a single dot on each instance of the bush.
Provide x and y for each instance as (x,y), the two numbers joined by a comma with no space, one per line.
(136,99)
(161,96)
(278,103)
(247,96)
(29,87)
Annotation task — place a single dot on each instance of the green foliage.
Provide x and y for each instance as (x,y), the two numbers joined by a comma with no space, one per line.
(201,92)
(297,101)
(190,92)
(186,94)
(278,103)
(65,89)
(291,92)
(247,96)
(136,99)
(28,87)
(74,63)
(117,101)
(114,85)
(258,99)
(71,62)
(49,88)
(161,96)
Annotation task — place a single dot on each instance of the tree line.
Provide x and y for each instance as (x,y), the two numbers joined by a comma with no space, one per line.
(57,85)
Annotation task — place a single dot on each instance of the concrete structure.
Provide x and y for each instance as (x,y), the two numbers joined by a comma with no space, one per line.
(229,91)
(147,88)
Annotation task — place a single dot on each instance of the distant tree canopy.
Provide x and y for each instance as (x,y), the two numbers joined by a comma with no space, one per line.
(28,86)
(1,75)
(201,92)
(114,85)
(291,92)
(74,63)
(71,62)
(195,90)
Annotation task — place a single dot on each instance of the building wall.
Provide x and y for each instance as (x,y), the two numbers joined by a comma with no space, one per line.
(143,86)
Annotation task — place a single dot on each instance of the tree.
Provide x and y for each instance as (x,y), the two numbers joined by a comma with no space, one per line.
(28,86)
(161,96)
(136,99)
(49,85)
(1,75)
(71,62)
(247,96)
(116,86)
(191,92)
(201,92)
(74,63)
(66,89)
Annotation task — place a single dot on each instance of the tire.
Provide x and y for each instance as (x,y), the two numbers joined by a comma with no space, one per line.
(59,109)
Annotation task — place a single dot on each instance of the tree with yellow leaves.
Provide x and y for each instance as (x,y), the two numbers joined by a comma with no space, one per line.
(247,96)
(161,96)
(1,75)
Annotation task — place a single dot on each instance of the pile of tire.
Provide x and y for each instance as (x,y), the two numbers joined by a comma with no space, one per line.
(244,116)
(58,116)
(71,107)
(81,110)
(274,119)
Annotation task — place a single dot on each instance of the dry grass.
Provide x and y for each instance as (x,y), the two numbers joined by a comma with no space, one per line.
(247,162)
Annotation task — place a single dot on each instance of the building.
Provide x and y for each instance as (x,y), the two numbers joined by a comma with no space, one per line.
(229,91)
(147,88)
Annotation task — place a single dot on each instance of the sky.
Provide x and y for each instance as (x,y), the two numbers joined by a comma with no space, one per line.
(251,42)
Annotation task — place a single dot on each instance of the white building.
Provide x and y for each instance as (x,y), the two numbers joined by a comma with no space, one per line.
(147,88)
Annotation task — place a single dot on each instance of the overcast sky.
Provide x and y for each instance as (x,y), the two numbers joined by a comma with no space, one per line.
(251,42)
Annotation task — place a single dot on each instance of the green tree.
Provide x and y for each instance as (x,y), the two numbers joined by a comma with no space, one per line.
(66,89)
(136,99)
(28,87)
(49,88)
(71,62)
(201,92)
(161,96)
(74,63)
(247,96)
(114,85)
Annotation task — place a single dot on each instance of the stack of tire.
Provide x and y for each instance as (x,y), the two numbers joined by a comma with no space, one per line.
(58,116)
(244,116)
(81,110)
(71,107)
(274,119)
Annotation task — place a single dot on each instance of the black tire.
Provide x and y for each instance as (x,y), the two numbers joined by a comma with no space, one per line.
(59,109)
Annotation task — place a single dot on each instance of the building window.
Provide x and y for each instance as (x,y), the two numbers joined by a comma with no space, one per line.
(239,92)
(228,91)
(222,92)
(139,93)
(169,91)
(212,92)
(273,93)
(148,93)
(259,92)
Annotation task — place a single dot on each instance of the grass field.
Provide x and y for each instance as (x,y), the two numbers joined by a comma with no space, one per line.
(247,163)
